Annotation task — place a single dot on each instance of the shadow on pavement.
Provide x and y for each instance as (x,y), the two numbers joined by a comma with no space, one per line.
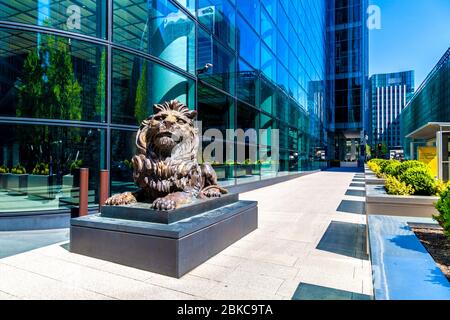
(357,185)
(352,206)
(355,193)
(306,291)
(344,238)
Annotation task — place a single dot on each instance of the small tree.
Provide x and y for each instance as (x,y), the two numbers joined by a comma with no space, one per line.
(368,151)
(141,101)
(101,84)
(384,149)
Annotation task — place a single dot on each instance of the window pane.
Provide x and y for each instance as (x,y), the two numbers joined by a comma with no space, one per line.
(268,96)
(219,17)
(45,76)
(83,16)
(247,43)
(48,159)
(137,86)
(188,4)
(157,27)
(123,148)
(250,10)
(215,110)
(221,74)
(247,79)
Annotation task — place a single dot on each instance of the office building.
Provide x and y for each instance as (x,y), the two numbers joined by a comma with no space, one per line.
(78,77)
(389,95)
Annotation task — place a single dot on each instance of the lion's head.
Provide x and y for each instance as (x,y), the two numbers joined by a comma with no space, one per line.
(169,133)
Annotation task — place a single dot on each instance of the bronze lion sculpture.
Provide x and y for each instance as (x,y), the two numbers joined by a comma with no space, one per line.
(165,167)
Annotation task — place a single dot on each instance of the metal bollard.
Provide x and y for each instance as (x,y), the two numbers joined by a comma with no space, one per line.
(104,188)
(84,188)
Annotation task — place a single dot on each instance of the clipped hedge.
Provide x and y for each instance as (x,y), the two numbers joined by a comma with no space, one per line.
(421,179)
(404,166)
(391,168)
(443,206)
(397,187)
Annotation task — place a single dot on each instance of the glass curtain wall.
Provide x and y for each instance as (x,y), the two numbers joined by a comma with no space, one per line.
(74,89)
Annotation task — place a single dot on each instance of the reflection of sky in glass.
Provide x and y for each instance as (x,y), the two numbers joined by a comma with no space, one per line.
(43,11)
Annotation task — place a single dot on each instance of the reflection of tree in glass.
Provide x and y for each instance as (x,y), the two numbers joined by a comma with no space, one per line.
(31,86)
(64,89)
(101,94)
(140,109)
(49,88)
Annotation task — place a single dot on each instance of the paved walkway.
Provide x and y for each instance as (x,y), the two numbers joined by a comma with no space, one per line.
(310,244)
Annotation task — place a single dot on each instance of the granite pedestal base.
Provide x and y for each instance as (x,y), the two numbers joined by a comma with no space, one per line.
(171,249)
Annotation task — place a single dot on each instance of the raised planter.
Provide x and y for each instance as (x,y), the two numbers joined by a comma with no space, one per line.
(3,181)
(17,183)
(221,172)
(256,169)
(402,268)
(243,170)
(373,180)
(41,186)
(378,202)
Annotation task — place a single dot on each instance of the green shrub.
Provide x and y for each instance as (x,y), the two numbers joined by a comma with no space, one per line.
(420,179)
(41,168)
(18,169)
(404,166)
(391,168)
(440,186)
(383,164)
(128,163)
(374,167)
(397,187)
(4,169)
(443,206)
(76,164)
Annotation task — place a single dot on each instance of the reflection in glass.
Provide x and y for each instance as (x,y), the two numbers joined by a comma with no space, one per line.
(137,85)
(123,148)
(84,16)
(250,10)
(43,164)
(215,110)
(157,27)
(248,44)
(247,166)
(221,75)
(45,76)
(247,81)
(219,17)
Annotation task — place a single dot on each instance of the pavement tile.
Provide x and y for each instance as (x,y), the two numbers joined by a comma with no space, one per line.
(226,261)
(268,269)
(210,271)
(225,291)
(269,263)
(28,285)
(188,284)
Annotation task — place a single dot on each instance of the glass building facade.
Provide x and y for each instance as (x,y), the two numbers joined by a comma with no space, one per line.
(348,76)
(78,77)
(430,104)
(389,95)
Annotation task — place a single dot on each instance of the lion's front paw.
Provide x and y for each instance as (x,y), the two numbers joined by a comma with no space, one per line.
(121,199)
(212,193)
(164,204)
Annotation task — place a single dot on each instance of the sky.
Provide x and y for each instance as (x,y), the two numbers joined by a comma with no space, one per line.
(414,35)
